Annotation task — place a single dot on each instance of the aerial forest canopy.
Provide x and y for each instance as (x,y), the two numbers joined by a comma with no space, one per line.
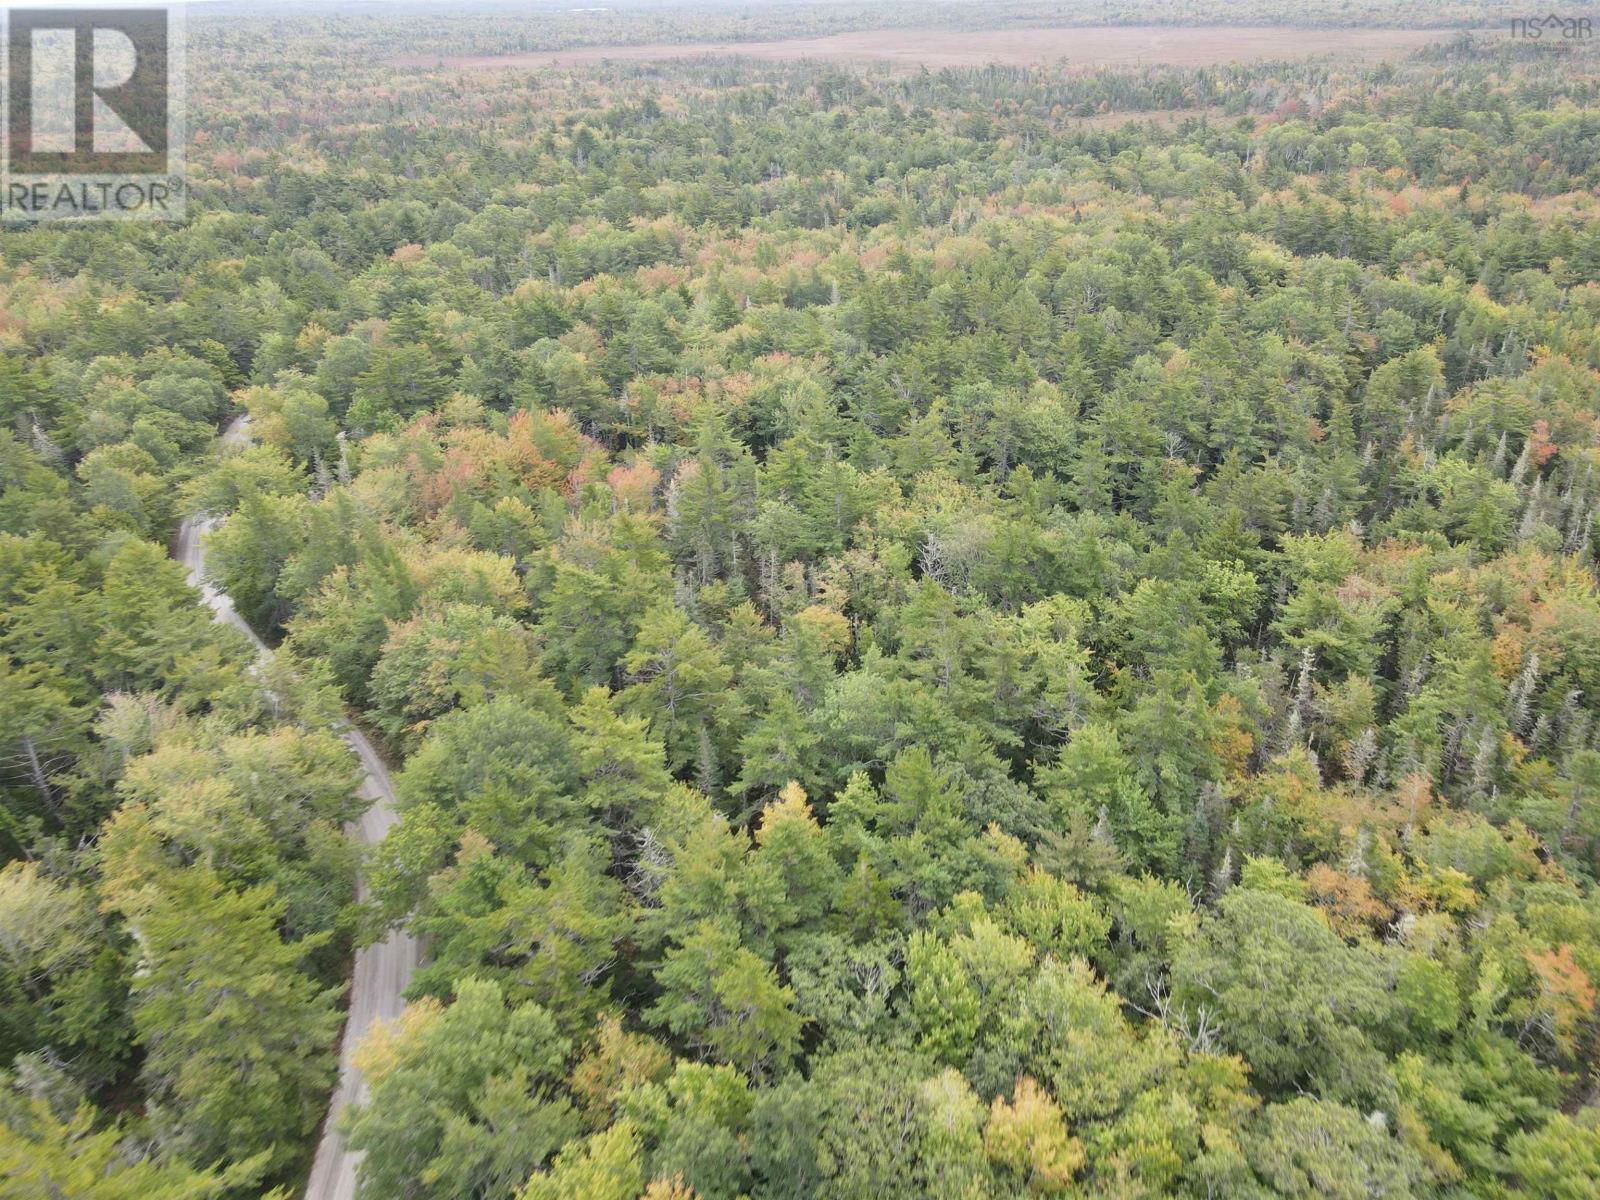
(962,633)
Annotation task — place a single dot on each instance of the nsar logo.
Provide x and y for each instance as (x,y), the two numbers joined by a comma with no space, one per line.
(1571,29)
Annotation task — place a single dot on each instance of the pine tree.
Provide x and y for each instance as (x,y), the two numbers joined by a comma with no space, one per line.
(238,1039)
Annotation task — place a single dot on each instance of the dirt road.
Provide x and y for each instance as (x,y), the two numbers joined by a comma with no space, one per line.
(382,971)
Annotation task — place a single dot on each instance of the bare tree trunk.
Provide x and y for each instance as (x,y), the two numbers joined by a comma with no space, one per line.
(36,773)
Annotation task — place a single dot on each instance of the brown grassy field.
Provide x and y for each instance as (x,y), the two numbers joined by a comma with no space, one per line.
(1107,45)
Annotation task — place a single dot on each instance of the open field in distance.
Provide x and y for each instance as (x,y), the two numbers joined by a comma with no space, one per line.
(1104,45)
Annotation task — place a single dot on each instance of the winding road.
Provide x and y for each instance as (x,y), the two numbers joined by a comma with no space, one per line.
(381,971)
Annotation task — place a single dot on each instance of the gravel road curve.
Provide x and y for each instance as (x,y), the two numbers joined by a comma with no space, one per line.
(382,971)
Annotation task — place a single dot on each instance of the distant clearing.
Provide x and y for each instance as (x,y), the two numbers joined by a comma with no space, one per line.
(1165,118)
(1095,45)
